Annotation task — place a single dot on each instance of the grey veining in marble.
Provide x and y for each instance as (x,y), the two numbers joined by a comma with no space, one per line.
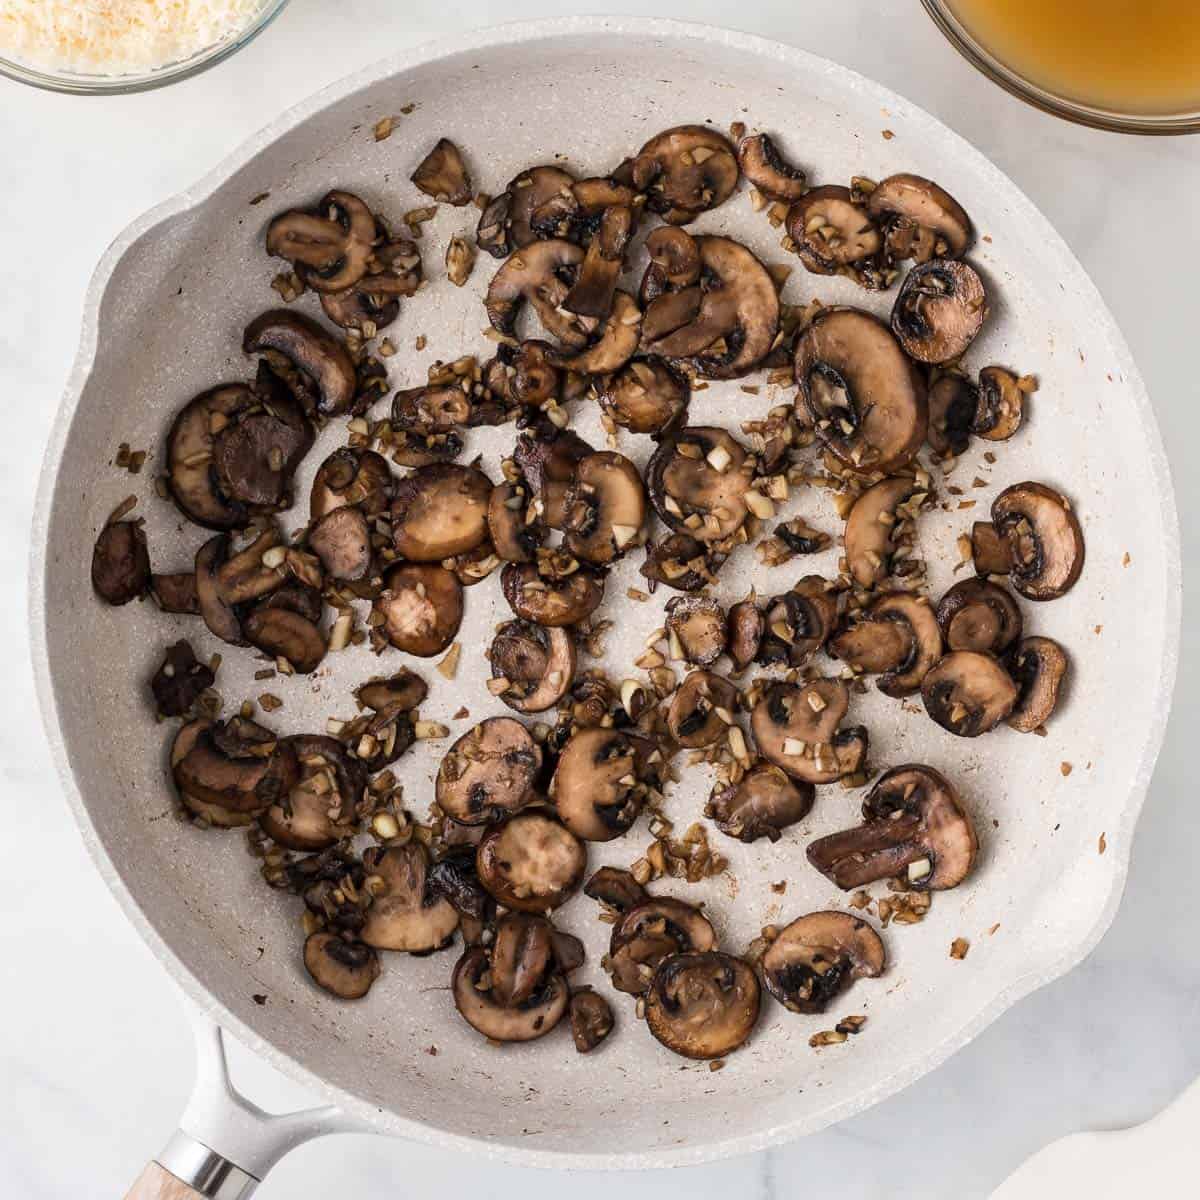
(94,1050)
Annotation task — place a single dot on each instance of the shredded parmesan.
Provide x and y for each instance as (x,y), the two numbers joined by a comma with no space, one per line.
(117,37)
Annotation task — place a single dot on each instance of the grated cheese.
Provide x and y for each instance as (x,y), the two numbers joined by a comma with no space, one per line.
(117,37)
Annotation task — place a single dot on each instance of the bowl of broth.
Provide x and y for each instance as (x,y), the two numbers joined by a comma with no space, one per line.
(1127,65)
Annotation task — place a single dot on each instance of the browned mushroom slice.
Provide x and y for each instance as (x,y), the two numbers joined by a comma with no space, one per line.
(351,477)
(991,551)
(835,235)
(422,608)
(593,291)
(762,803)
(393,273)
(217,612)
(604,507)
(406,914)
(601,781)
(698,479)
(681,562)
(940,308)
(178,683)
(914,826)
(522,954)
(745,632)
(616,888)
(342,541)
(674,264)
(800,537)
(286,635)
(979,615)
(817,957)
(1038,666)
(702,1005)
(426,410)
(968,693)
(797,624)
(701,710)
(489,772)
(302,598)
(738,318)
(796,728)
(645,396)
(344,968)
(311,350)
(899,639)
(176,592)
(506,223)
(866,400)
(533,666)
(514,537)
(616,341)
(440,511)
(443,175)
(766,168)
(530,862)
(473,987)
(649,932)
(685,171)
(1044,537)
(1000,407)
(322,807)
(404,690)
(591,1019)
(330,246)
(120,563)
(923,221)
(541,273)
(871,527)
(250,572)
(552,602)
(953,405)
(695,629)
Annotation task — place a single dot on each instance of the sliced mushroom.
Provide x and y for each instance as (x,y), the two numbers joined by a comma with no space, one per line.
(797,624)
(968,693)
(551,601)
(179,682)
(800,537)
(506,223)
(422,608)
(191,475)
(685,171)
(747,627)
(373,303)
(1038,667)
(404,690)
(351,477)
(522,953)
(898,638)
(796,728)
(541,273)
(592,293)
(332,886)
(698,479)
(604,507)
(765,167)
(922,220)
(702,1005)
(601,782)
(940,308)
(834,235)
(979,615)
(953,407)
(645,396)
(530,862)
(650,932)
(616,341)
(681,562)
(591,1019)
(701,710)
(342,541)
(344,968)
(866,400)
(454,876)
(991,551)
(696,629)
(322,807)
(443,175)
(536,665)
(1000,406)
(674,264)
(514,538)
(120,563)
(1044,537)
(283,634)
(312,350)
(762,803)
(433,410)
(247,573)
(330,246)
(440,511)
(176,592)
(914,826)
(489,772)
(817,957)
(299,597)
(473,985)
(738,317)
(616,888)
(406,914)
(871,527)
(217,612)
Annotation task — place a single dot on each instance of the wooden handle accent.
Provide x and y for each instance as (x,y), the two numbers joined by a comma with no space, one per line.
(157,1183)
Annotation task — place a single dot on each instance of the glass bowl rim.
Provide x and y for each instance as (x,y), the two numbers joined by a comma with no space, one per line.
(1057,105)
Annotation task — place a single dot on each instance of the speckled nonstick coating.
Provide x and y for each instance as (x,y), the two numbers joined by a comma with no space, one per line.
(163,320)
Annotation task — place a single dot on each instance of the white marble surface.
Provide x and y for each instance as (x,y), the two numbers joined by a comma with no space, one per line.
(95,1055)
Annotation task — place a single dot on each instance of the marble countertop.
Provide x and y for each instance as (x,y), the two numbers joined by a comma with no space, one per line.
(95,1052)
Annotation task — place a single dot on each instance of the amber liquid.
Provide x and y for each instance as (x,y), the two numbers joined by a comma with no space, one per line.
(1128,56)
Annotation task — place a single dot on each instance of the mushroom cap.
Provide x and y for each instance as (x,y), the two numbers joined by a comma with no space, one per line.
(350,476)
(175,592)
(407,915)
(322,807)
(939,310)
(1038,666)
(179,682)
(237,765)
(953,406)
(765,167)
(702,1005)
(341,539)
(687,489)
(480,1008)
(506,223)
(393,273)
(697,623)
(976,614)
(915,613)
(218,614)
(1000,405)
(674,263)
(762,803)
(650,931)
(605,507)
(616,341)
(834,234)
(539,273)
(312,350)
(402,691)
(591,1019)
(681,562)
(684,171)
(796,728)
(598,786)
(330,246)
(514,538)
(645,396)
(746,626)
(538,663)
(850,369)
(344,968)
(923,219)
(694,716)
(422,607)
(120,563)
(530,862)
(798,623)
(440,511)
(818,956)
(551,602)
(488,772)
(1044,537)
(615,887)
(191,476)
(282,633)
(968,693)
(443,175)
(870,525)
(593,291)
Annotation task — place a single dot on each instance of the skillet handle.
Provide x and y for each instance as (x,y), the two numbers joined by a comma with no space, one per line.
(157,1183)
(187,1169)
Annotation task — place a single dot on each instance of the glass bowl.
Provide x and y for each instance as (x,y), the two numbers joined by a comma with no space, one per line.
(961,38)
(82,83)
